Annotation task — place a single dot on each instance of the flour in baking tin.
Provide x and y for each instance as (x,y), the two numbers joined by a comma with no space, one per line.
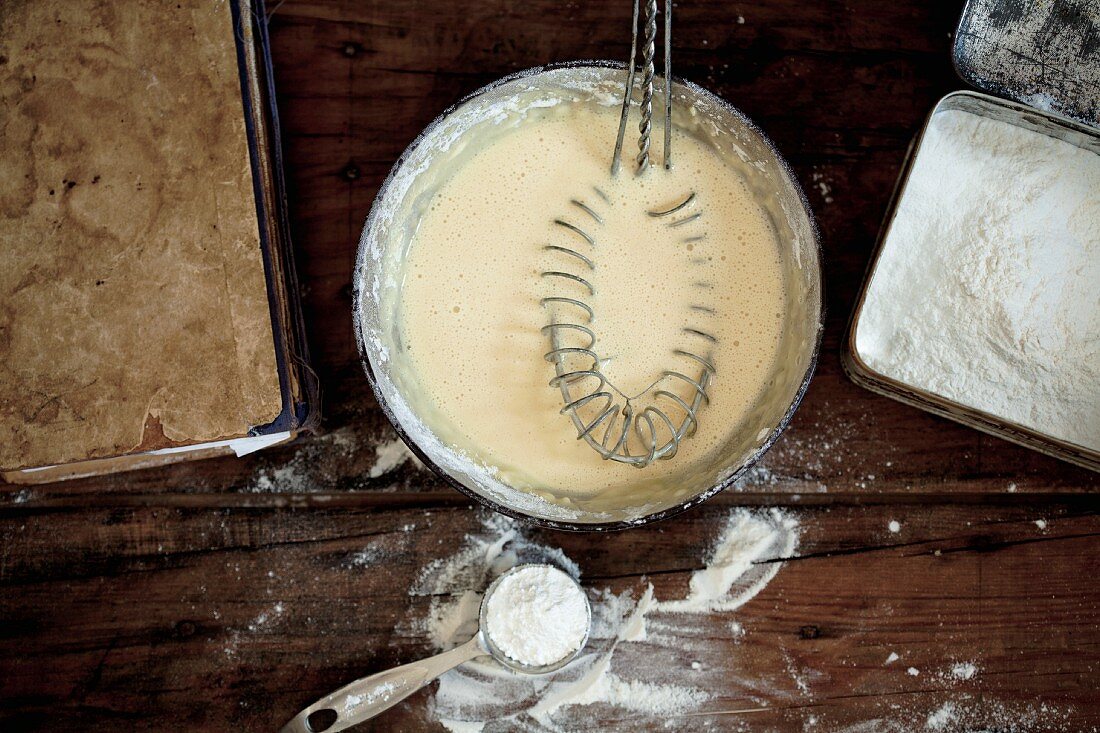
(987,290)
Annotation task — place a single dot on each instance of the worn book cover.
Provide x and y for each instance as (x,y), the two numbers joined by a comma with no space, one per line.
(143,301)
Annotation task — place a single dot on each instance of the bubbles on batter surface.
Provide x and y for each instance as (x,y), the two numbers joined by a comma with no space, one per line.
(473,309)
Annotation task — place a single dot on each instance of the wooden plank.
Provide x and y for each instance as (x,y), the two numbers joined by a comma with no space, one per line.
(225,595)
(162,618)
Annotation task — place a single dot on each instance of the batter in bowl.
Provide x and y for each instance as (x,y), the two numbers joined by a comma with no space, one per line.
(470,334)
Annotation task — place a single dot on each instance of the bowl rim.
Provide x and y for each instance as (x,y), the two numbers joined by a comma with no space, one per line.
(358,292)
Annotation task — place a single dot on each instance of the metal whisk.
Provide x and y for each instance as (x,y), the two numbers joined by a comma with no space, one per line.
(649,426)
(645,125)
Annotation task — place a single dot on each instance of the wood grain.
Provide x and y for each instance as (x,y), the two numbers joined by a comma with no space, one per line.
(133,600)
(232,619)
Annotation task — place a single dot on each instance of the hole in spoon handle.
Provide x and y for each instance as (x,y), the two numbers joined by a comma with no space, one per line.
(321,720)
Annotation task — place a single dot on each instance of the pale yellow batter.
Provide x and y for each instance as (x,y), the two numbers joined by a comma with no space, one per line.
(471,322)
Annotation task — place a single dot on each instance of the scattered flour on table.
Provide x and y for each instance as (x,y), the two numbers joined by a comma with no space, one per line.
(943,717)
(823,187)
(967,713)
(463,726)
(963,670)
(265,617)
(319,458)
(365,558)
(291,478)
(958,711)
(22,496)
(390,455)
(651,663)
(894,526)
(387,546)
(798,675)
(638,661)
(731,577)
(821,450)
(303,471)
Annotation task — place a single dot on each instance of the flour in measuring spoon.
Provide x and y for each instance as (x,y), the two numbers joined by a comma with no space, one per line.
(537,616)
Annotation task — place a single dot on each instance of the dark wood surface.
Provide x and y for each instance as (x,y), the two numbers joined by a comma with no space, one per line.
(128,602)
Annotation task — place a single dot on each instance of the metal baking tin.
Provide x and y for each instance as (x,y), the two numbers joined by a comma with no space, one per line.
(1014,113)
(1044,54)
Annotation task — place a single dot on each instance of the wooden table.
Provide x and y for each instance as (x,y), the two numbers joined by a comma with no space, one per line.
(131,602)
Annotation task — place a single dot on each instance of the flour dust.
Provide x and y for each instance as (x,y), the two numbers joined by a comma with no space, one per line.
(641,666)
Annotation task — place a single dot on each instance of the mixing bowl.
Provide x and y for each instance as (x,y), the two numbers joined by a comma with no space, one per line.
(390,227)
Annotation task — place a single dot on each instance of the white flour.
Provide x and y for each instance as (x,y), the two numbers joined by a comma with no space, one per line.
(987,291)
(390,455)
(653,664)
(946,715)
(627,669)
(967,713)
(963,670)
(537,616)
(746,540)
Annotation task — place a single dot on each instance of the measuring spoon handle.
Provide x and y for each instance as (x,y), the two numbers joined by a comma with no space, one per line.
(367,697)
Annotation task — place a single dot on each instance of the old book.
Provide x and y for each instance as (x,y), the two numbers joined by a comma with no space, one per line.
(148,311)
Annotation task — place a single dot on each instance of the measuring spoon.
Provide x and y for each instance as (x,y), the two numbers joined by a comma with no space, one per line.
(369,696)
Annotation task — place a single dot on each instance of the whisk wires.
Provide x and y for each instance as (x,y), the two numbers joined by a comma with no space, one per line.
(645,124)
(636,429)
